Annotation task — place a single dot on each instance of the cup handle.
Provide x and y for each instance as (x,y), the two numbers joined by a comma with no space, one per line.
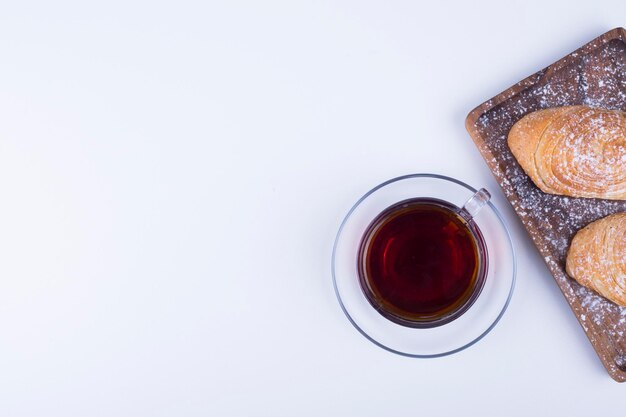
(473,205)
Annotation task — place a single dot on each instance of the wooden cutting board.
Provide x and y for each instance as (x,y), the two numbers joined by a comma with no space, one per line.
(594,75)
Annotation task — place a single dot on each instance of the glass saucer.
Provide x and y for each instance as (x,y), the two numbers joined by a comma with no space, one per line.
(449,338)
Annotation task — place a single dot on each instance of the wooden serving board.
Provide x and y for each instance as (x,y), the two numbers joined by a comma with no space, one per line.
(594,75)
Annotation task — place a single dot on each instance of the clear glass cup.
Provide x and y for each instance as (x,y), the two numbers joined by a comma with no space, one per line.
(455,333)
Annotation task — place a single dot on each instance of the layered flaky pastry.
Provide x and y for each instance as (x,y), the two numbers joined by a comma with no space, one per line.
(597,257)
(576,151)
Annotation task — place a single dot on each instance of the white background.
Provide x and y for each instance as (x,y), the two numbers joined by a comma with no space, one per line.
(172,176)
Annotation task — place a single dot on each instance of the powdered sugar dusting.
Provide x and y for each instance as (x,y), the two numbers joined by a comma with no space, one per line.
(596,77)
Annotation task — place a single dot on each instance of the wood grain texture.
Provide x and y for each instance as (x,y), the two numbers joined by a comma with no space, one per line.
(593,75)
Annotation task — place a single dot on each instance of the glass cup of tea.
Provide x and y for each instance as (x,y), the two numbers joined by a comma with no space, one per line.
(423,265)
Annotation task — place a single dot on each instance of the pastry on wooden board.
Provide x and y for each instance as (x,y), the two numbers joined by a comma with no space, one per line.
(577,151)
(597,257)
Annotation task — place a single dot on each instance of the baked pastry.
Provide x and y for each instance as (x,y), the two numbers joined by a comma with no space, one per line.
(576,151)
(597,257)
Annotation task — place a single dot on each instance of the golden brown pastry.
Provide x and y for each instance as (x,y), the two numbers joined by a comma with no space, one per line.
(597,257)
(577,151)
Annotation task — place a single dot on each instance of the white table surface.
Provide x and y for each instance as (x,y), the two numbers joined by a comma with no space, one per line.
(172,176)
